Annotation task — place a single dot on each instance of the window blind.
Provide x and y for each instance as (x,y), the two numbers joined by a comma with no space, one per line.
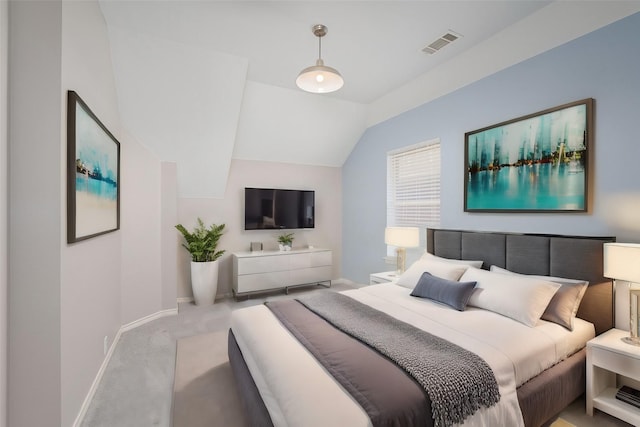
(413,185)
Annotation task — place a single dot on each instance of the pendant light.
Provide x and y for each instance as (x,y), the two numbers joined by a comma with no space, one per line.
(319,78)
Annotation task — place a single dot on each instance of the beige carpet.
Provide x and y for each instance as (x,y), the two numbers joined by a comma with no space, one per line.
(204,391)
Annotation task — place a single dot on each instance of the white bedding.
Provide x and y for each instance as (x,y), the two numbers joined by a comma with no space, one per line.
(283,369)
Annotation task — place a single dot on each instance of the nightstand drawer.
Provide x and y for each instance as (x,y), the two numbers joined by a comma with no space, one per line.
(618,363)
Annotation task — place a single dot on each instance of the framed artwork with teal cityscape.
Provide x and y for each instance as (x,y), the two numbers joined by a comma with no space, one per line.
(93,174)
(534,163)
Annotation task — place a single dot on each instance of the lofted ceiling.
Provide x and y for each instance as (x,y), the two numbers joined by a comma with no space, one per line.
(201,82)
(376,45)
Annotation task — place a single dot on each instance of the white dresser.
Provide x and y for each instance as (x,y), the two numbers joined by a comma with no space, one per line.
(269,270)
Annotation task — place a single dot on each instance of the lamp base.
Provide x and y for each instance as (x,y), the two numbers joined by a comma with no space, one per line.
(631,340)
(401,256)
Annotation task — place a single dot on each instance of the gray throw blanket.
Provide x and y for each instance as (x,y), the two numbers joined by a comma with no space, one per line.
(457,381)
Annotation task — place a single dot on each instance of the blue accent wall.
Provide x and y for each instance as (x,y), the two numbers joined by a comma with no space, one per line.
(604,65)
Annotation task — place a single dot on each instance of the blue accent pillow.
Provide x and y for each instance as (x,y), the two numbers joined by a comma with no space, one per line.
(449,292)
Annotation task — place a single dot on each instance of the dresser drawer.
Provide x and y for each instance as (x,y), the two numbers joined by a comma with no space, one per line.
(262,264)
(263,281)
(298,260)
(321,259)
(310,275)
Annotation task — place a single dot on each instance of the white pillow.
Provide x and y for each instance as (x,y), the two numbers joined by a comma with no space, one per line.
(521,298)
(476,264)
(409,279)
(561,280)
(565,303)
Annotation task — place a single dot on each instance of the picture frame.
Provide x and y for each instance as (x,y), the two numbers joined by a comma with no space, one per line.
(93,174)
(534,163)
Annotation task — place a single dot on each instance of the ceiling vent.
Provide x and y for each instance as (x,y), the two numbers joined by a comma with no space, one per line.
(441,42)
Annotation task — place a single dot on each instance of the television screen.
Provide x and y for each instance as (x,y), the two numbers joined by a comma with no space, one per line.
(269,208)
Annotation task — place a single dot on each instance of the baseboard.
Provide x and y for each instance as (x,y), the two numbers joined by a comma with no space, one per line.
(96,381)
(149,318)
(190,299)
(107,358)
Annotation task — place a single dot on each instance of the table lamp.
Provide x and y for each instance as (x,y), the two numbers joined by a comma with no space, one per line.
(402,237)
(622,262)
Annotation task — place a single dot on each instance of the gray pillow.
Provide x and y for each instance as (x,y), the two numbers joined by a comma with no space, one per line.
(563,306)
(449,292)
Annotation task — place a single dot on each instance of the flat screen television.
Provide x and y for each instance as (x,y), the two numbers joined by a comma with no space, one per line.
(270,208)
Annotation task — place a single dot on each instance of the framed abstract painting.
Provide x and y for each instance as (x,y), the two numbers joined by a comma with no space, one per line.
(535,163)
(93,174)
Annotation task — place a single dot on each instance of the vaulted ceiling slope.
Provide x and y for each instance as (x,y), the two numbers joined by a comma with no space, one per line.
(200,82)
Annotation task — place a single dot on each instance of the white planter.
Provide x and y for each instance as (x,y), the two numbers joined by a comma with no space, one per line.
(204,281)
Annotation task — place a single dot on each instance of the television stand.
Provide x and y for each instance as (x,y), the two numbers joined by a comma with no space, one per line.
(265,271)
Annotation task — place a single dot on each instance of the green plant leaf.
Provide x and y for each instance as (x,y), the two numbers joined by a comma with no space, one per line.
(202,242)
(286,239)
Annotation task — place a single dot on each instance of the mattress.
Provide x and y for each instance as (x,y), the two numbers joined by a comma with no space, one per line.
(283,369)
(531,350)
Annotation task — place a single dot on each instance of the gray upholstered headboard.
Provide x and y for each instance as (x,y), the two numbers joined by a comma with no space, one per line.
(576,257)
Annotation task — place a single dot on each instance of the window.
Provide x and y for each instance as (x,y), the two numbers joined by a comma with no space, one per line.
(413,185)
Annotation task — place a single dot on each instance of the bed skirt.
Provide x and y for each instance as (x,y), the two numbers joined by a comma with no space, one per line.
(541,399)
(252,403)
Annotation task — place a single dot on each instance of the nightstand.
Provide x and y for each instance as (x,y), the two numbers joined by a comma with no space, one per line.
(384,277)
(610,364)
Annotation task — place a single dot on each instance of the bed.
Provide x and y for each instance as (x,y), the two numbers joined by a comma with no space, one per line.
(282,383)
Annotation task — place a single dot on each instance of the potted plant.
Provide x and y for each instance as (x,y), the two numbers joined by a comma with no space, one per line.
(285,241)
(202,244)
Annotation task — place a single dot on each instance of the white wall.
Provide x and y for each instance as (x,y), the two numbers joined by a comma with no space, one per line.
(91,269)
(326,181)
(4,47)
(140,225)
(35,213)
(180,99)
(168,235)
(64,299)
(113,279)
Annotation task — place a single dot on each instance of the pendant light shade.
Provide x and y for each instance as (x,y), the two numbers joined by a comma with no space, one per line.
(319,78)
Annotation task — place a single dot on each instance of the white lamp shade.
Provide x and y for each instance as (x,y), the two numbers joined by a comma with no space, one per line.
(405,237)
(319,79)
(622,261)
